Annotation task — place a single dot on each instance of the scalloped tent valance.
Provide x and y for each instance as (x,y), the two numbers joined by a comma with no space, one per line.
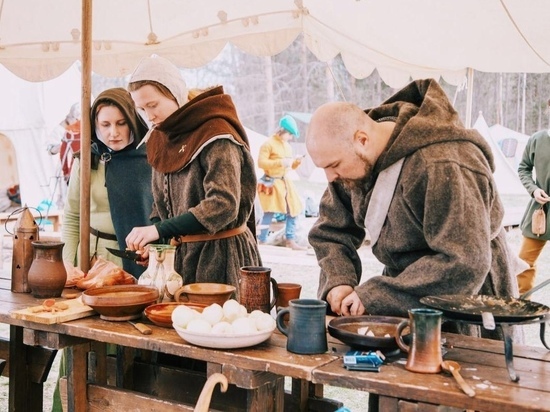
(402,39)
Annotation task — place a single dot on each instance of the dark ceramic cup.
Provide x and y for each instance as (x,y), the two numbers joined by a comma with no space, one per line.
(306,329)
(255,283)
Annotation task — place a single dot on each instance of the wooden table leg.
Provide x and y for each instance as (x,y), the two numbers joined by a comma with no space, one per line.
(125,367)
(77,374)
(267,397)
(24,395)
(299,395)
(98,369)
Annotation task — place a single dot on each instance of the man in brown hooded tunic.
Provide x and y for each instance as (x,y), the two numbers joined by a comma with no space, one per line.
(422,185)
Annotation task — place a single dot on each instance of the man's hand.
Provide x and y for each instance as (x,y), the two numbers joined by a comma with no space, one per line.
(139,237)
(344,301)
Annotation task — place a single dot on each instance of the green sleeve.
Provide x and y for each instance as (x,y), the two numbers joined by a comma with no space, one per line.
(186,224)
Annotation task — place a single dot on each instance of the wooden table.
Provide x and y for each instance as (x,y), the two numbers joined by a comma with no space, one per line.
(260,370)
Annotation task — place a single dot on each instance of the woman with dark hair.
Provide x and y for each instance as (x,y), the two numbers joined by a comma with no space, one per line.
(120,181)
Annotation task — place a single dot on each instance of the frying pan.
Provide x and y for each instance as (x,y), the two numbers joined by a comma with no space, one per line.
(503,309)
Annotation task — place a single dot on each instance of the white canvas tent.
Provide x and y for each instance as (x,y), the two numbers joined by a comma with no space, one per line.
(402,39)
(29,113)
(506,178)
(503,135)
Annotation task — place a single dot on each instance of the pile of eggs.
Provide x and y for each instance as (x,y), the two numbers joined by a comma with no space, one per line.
(230,319)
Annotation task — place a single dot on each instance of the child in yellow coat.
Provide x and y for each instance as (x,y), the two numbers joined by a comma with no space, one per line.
(277,193)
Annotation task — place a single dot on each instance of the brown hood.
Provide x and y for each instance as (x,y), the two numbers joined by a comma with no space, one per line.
(425,116)
(174,143)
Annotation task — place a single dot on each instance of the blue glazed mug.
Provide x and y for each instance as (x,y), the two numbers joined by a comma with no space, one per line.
(306,330)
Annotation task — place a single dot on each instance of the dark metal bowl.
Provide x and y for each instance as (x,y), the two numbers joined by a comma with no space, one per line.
(346,329)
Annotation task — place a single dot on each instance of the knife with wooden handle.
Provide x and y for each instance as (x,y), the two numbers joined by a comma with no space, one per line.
(144,329)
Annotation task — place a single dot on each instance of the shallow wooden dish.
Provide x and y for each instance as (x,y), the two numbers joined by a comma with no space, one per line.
(204,293)
(161,313)
(120,302)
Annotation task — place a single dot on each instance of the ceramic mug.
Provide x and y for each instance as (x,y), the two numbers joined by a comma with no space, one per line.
(287,292)
(255,283)
(306,329)
(424,353)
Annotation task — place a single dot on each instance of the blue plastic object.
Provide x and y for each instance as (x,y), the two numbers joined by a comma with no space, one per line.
(289,124)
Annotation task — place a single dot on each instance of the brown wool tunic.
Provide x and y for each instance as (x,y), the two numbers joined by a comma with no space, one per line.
(442,233)
(216,183)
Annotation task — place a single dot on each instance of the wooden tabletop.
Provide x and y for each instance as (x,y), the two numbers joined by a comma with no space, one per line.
(482,366)
(270,356)
(482,361)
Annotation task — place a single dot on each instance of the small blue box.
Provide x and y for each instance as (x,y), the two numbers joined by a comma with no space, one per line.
(356,357)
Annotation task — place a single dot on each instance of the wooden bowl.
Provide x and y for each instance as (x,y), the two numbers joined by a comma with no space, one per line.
(161,313)
(120,302)
(204,293)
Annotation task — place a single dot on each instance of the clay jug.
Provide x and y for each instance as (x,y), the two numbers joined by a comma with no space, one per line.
(160,272)
(424,353)
(47,274)
(254,288)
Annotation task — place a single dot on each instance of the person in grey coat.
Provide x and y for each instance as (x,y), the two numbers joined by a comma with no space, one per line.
(422,185)
(204,180)
(534,173)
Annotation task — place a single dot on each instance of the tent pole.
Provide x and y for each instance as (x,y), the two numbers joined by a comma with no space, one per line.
(469,97)
(85,135)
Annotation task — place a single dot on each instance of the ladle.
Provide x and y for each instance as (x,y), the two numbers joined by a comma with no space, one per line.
(454,368)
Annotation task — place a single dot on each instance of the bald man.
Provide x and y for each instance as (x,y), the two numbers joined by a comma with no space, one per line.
(421,185)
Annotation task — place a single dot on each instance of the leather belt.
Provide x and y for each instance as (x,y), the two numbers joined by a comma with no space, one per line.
(102,235)
(205,237)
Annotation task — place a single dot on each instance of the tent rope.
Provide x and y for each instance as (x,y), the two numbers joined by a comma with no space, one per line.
(521,33)
(336,81)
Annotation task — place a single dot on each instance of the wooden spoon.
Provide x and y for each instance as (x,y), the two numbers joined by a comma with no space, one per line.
(453,367)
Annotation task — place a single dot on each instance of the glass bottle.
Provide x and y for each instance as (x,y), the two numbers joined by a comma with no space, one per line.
(160,272)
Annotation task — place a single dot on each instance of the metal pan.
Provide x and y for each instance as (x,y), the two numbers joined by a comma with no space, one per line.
(471,307)
(383,328)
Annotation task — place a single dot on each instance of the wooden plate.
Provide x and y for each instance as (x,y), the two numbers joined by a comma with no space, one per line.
(120,302)
(161,313)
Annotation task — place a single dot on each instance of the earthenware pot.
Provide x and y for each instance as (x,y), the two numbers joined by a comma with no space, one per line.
(47,275)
